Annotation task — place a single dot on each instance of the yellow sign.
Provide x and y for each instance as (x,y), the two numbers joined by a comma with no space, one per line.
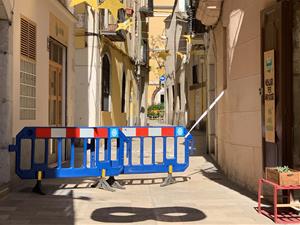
(58,30)
(125,25)
(180,54)
(163,54)
(269,96)
(188,38)
(113,6)
(92,3)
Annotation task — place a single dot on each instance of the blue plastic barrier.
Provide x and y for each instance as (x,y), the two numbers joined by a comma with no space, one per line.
(91,142)
(155,133)
(107,166)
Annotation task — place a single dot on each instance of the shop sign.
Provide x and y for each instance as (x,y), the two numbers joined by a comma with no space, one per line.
(269,96)
(58,30)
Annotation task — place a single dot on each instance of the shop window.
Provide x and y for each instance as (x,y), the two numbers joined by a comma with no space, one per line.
(28,70)
(105,83)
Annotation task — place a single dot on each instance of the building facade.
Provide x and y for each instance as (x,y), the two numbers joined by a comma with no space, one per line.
(252,54)
(249,50)
(185,66)
(111,65)
(38,73)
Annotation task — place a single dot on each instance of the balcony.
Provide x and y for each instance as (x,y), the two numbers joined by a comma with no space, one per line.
(113,35)
(147,7)
(109,26)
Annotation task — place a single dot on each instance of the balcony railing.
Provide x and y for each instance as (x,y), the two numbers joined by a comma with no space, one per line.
(111,33)
(147,7)
(110,30)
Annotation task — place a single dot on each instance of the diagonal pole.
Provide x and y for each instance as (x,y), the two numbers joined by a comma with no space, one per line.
(205,113)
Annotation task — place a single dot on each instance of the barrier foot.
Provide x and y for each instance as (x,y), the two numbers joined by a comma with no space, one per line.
(169,180)
(38,188)
(114,183)
(102,184)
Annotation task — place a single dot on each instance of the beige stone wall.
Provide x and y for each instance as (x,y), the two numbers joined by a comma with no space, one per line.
(239,132)
(39,12)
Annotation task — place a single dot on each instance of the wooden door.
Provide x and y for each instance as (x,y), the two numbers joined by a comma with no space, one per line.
(276,35)
(55,94)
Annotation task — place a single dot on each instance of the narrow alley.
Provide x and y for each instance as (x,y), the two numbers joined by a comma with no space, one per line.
(202,195)
(149,112)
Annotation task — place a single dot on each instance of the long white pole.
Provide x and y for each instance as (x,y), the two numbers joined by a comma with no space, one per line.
(205,113)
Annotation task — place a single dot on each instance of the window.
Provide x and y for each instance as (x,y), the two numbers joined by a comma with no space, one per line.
(195,74)
(179,95)
(105,83)
(173,94)
(123,93)
(28,71)
(162,99)
(225,55)
(144,51)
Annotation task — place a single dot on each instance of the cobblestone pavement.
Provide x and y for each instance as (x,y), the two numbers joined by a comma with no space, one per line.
(201,195)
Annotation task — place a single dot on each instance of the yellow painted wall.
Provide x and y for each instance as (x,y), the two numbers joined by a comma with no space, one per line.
(195,110)
(119,61)
(156,30)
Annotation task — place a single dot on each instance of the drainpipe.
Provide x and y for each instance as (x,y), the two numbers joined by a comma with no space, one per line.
(5,100)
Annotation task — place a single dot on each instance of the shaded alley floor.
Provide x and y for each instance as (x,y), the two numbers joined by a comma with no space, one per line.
(202,195)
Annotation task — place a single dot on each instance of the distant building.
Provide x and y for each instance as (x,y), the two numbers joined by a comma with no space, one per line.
(186,83)
(157,43)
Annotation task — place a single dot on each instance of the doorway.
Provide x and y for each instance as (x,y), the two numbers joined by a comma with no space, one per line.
(296,84)
(277,130)
(57,90)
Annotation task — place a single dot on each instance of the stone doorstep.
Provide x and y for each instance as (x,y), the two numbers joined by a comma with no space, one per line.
(4,190)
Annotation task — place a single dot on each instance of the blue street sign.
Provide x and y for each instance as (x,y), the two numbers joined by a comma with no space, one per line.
(162,78)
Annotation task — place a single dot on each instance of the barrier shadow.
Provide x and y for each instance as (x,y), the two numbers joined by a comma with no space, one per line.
(134,214)
(152,181)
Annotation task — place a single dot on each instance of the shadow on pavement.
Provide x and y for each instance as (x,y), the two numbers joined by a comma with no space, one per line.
(29,208)
(151,181)
(212,172)
(132,214)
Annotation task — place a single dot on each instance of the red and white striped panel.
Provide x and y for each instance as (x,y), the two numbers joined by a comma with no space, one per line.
(148,131)
(71,132)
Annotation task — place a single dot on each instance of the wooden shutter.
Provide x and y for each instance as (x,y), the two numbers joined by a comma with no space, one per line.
(28,39)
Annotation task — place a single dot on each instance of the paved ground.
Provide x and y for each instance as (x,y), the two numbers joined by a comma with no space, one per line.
(201,196)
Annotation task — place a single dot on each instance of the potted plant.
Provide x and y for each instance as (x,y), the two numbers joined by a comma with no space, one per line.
(283,176)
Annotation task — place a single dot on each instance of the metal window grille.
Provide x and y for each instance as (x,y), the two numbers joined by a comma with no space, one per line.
(27,90)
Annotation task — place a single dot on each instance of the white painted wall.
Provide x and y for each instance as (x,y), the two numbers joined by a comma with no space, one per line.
(88,70)
(35,10)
